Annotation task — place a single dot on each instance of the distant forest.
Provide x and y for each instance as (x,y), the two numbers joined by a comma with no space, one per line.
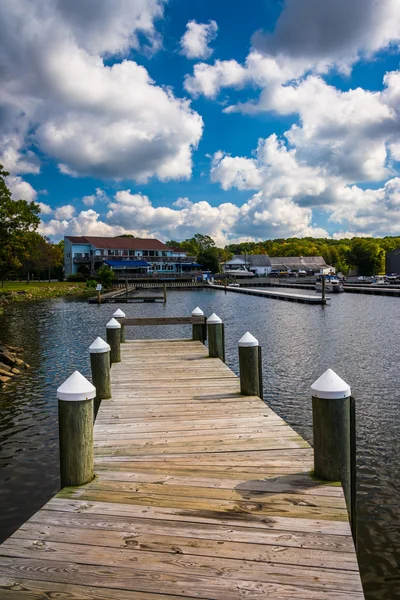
(367,255)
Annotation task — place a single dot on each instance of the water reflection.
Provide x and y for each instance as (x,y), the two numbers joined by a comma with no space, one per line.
(357,336)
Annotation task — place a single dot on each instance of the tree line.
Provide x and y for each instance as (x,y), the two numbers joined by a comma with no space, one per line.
(366,255)
(23,250)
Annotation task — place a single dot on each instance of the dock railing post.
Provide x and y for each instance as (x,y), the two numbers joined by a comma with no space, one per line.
(75,417)
(250,366)
(114,340)
(199,330)
(119,315)
(334,436)
(100,364)
(216,337)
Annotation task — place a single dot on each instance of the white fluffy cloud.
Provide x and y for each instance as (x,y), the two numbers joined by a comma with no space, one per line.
(92,199)
(334,33)
(64,212)
(20,189)
(94,119)
(194,42)
(343,143)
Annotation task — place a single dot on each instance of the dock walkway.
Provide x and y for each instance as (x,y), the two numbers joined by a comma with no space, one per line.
(289,296)
(199,493)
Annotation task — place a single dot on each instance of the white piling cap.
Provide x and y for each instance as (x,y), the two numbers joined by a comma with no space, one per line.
(76,387)
(214,319)
(113,324)
(99,346)
(197,312)
(330,386)
(119,314)
(247,340)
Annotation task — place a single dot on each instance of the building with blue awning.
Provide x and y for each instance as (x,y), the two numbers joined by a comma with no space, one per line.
(125,255)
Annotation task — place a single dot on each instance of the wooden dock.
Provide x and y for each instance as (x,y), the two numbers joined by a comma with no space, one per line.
(199,493)
(288,296)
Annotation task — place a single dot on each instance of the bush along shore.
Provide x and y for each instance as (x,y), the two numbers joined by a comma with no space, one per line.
(11,363)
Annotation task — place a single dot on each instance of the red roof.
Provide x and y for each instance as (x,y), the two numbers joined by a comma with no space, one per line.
(115,243)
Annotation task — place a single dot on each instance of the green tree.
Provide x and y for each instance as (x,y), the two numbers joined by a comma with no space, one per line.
(209,259)
(367,255)
(106,276)
(18,218)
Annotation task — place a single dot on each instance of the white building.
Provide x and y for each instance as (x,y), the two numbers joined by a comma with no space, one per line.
(262,264)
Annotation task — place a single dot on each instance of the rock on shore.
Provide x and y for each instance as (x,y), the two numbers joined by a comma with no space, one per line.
(11,363)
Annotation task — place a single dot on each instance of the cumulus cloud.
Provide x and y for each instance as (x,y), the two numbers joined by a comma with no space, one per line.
(98,196)
(64,212)
(194,42)
(343,143)
(45,209)
(20,189)
(93,119)
(334,33)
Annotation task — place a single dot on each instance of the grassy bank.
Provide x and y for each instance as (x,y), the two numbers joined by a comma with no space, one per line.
(16,291)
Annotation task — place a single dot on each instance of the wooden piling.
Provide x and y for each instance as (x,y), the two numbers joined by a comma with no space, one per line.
(331,406)
(165,293)
(216,337)
(250,366)
(75,414)
(119,315)
(199,330)
(114,340)
(100,365)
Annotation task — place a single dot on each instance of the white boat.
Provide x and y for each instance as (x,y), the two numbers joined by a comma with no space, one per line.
(332,285)
(243,272)
(380,280)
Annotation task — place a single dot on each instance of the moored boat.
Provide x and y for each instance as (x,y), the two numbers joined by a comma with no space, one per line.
(332,285)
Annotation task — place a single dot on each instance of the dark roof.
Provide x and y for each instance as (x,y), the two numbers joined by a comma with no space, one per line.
(115,243)
(76,239)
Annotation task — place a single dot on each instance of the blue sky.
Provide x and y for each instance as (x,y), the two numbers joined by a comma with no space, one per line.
(165,118)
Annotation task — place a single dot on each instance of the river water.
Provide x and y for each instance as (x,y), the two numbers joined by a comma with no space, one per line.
(357,336)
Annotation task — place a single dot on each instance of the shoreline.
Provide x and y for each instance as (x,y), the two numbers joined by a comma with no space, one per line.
(24,292)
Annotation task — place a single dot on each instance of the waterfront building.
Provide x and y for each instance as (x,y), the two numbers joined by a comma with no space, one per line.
(393,261)
(262,264)
(126,256)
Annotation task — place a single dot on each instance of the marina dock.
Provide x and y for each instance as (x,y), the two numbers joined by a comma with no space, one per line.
(199,492)
(288,296)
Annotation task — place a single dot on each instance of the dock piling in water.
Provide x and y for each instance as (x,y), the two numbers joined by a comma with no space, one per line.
(199,330)
(114,340)
(334,434)
(216,337)
(119,315)
(100,365)
(250,366)
(75,415)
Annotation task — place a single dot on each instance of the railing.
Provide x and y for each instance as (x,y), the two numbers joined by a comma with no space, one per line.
(149,259)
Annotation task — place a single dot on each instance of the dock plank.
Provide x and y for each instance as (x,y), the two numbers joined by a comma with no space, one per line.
(199,493)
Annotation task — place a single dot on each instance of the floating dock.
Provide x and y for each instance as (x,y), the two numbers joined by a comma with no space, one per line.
(288,296)
(199,493)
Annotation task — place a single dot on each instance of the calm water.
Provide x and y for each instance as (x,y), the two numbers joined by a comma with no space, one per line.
(357,336)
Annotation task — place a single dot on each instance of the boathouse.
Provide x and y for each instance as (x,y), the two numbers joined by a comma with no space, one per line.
(262,264)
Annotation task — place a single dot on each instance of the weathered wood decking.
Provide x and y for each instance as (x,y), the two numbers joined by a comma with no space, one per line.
(199,493)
